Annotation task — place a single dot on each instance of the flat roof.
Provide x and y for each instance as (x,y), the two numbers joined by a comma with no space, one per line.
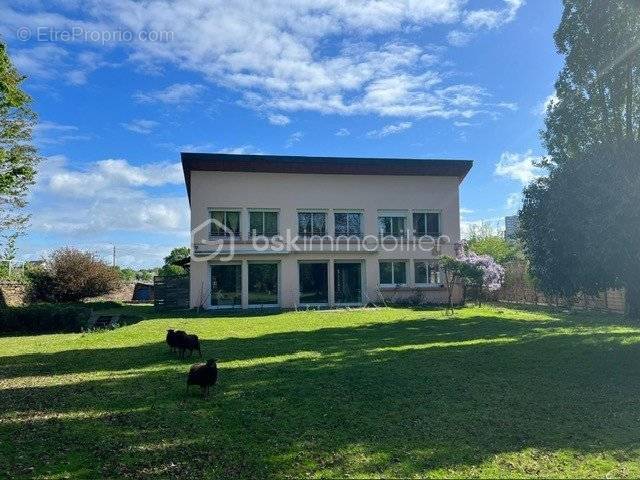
(227,162)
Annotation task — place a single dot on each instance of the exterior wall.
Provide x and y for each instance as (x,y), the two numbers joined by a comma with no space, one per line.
(289,193)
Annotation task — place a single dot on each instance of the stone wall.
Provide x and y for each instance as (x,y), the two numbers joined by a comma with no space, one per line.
(13,294)
(124,294)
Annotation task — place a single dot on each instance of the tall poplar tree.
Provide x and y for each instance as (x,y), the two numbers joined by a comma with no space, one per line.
(580,225)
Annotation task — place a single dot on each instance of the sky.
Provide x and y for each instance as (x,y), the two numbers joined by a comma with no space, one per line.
(121,87)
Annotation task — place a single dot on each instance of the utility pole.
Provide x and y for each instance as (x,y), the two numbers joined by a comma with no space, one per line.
(114,254)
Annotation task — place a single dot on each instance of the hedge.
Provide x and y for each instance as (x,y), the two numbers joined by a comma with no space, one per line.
(44,318)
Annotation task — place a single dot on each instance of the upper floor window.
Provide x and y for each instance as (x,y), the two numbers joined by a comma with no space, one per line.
(263,224)
(312,223)
(426,223)
(348,223)
(225,223)
(393,273)
(427,273)
(392,225)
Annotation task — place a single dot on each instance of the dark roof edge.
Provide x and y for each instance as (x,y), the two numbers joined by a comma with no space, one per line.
(225,162)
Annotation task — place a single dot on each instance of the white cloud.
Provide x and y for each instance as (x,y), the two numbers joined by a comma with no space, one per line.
(542,107)
(106,178)
(178,93)
(462,124)
(242,149)
(487,18)
(40,61)
(109,195)
(458,38)
(514,200)
(293,139)
(140,214)
(508,105)
(520,167)
(343,132)
(390,129)
(141,126)
(52,133)
(278,119)
(274,52)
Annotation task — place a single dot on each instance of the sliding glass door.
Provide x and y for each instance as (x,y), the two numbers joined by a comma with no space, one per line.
(313,283)
(348,282)
(226,285)
(263,284)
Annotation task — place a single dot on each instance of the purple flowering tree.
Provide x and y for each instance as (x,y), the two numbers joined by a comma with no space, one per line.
(483,272)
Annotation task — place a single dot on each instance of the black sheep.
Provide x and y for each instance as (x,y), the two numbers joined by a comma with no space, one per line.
(173,338)
(204,375)
(188,342)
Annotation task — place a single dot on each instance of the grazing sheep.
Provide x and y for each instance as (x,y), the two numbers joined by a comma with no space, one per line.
(204,375)
(173,338)
(188,342)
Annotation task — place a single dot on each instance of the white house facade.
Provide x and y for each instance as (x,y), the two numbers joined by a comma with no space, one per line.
(301,232)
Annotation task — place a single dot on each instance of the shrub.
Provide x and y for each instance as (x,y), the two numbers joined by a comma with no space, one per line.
(71,275)
(44,318)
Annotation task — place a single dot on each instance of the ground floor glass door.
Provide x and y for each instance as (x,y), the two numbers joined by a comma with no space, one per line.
(263,283)
(347,282)
(226,285)
(313,283)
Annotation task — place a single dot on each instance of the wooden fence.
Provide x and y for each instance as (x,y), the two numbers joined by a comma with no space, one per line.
(171,292)
(608,301)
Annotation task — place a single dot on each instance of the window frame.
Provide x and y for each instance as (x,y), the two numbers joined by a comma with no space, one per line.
(312,262)
(393,273)
(348,212)
(424,213)
(263,211)
(393,214)
(312,212)
(278,284)
(224,307)
(428,264)
(225,210)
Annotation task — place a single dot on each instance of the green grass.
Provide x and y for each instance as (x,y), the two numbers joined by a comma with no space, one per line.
(361,393)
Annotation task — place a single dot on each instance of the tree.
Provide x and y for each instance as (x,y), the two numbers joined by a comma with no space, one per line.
(484,240)
(591,130)
(18,157)
(598,90)
(170,268)
(580,225)
(71,275)
(127,274)
(480,271)
(453,270)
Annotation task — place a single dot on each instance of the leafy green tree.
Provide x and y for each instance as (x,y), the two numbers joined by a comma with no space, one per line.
(577,223)
(146,274)
(127,274)
(598,90)
(484,240)
(170,268)
(581,225)
(18,157)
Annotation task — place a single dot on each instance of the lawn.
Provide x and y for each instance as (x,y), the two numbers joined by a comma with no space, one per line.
(363,393)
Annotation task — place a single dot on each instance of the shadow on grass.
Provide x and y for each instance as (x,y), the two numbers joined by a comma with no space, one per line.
(393,399)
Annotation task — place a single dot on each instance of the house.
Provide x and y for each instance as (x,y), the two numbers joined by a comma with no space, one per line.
(298,232)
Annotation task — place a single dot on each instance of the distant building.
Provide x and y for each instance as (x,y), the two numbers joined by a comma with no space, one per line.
(511,226)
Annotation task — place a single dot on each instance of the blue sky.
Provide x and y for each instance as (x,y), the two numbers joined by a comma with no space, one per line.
(121,87)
